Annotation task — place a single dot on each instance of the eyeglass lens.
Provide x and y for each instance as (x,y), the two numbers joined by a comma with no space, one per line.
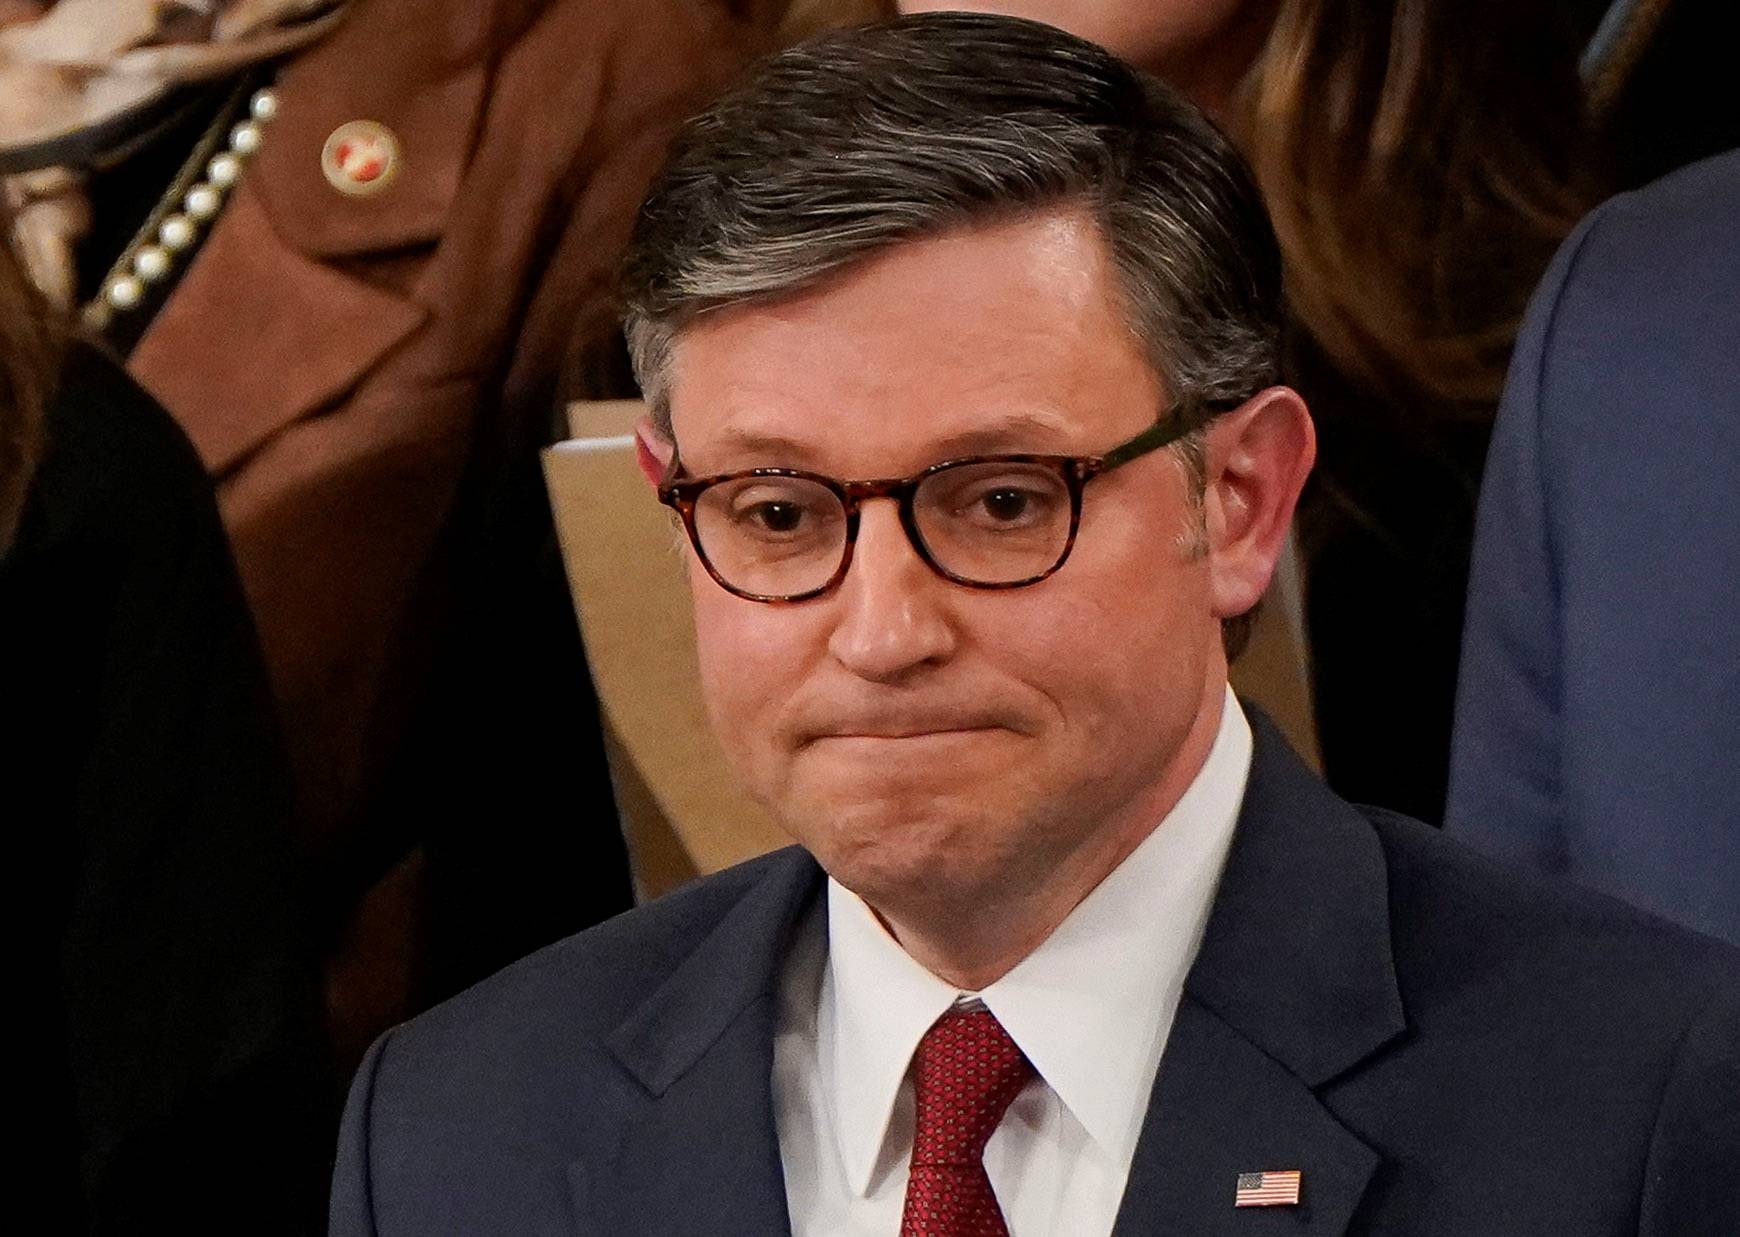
(986,522)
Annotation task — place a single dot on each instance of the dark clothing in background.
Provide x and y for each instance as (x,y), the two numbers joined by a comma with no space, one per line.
(1678,104)
(1598,722)
(1441,1046)
(172,1079)
(1384,529)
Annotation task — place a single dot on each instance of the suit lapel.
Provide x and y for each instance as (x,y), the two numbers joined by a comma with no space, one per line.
(694,1150)
(1294,986)
(1221,1108)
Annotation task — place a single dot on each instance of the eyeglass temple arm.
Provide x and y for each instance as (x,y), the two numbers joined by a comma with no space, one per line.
(673,472)
(1178,421)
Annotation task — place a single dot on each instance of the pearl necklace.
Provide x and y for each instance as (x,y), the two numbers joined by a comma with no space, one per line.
(193,200)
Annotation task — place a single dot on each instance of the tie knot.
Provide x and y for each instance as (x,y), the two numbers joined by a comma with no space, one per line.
(966,1073)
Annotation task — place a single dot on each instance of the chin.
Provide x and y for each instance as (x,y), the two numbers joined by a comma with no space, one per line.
(892,848)
(895,872)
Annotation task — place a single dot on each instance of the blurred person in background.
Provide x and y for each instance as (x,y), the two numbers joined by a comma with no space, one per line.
(172,1061)
(352,246)
(1421,160)
(1598,717)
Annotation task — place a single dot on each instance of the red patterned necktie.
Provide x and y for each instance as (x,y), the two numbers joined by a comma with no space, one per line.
(966,1073)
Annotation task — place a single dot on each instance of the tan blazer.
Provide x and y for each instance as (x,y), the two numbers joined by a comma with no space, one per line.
(338,360)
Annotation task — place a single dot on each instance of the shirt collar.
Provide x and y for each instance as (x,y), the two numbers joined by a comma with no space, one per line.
(1091,1007)
(876,1004)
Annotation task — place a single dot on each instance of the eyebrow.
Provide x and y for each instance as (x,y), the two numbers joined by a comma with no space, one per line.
(1011,432)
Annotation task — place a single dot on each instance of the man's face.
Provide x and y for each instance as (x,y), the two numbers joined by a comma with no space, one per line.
(921,738)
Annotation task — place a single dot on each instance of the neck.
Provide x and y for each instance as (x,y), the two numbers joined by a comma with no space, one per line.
(971,939)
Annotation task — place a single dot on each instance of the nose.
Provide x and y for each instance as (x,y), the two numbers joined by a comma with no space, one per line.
(891,618)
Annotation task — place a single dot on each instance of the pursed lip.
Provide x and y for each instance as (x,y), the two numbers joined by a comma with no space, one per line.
(894,730)
(928,732)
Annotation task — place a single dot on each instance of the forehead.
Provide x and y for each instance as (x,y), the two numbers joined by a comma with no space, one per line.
(1003,337)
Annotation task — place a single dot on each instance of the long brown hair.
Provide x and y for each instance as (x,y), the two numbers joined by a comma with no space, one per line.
(29,361)
(1421,160)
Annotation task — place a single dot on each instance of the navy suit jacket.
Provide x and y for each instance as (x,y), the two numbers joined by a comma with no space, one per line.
(1439,1045)
(1598,714)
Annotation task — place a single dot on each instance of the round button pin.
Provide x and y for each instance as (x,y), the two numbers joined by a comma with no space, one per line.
(360,158)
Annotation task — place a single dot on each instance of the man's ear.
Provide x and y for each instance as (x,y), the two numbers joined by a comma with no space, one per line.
(1255,462)
(652,451)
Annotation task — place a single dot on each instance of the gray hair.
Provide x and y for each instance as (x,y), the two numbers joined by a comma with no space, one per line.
(864,138)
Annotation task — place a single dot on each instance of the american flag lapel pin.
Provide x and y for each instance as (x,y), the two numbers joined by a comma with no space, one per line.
(1268,1189)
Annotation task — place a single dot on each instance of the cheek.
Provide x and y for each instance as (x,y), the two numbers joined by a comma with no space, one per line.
(735,651)
(1124,644)
(751,657)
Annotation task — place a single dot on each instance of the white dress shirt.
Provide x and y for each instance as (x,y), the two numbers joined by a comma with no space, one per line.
(1091,1008)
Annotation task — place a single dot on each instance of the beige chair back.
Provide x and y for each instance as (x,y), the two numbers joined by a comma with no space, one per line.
(682,811)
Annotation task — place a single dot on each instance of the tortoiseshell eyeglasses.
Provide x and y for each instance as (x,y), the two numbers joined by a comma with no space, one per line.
(984,521)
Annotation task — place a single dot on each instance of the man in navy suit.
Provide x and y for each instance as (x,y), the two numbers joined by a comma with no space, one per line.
(960,343)
(1598,714)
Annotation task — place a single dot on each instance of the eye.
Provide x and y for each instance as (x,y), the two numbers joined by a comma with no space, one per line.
(773,515)
(779,509)
(1006,503)
(993,498)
